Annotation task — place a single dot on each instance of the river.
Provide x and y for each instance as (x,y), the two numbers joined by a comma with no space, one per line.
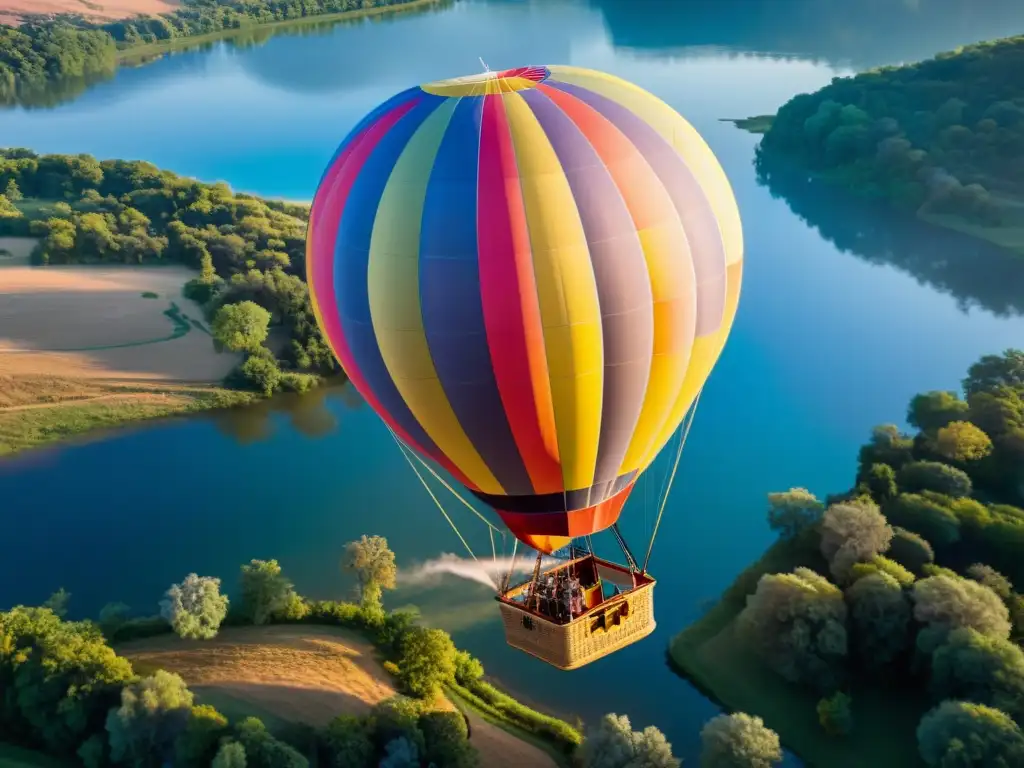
(846,313)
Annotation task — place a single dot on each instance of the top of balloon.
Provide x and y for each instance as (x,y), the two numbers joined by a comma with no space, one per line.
(487,83)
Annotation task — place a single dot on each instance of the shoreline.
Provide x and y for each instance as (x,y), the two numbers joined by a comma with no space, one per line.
(139,55)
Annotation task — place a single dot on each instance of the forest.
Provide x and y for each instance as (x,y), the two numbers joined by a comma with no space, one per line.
(250,252)
(944,136)
(901,598)
(71,47)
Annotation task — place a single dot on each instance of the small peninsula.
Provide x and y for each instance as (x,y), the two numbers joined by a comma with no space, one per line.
(132,293)
(942,138)
(885,627)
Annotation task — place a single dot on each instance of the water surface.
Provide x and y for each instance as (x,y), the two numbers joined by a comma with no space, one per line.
(845,314)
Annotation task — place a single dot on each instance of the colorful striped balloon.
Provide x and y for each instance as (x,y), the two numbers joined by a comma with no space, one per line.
(528,275)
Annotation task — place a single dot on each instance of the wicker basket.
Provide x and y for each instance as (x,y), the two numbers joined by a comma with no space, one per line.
(604,629)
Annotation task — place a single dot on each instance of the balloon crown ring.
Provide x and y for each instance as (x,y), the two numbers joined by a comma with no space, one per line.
(486,83)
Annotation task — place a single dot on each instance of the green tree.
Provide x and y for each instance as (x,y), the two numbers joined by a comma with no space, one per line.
(197,745)
(994,371)
(112,616)
(242,326)
(230,755)
(961,441)
(879,564)
(881,481)
(934,410)
(349,742)
(154,711)
(924,516)
(945,604)
(426,662)
(879,619)
(934,476)
(400,753)
(991,578)
(835,714)
(852,533)
(468,669)
(959,733)
(447,740)
(910,550)
(58,602)
(260,372)
(374,565)
(396,718)
(262,750)
(792,511)
(195,608)
(739,741)
(614,744)
(265,590)
(11,192)
(987,670)
(797,623)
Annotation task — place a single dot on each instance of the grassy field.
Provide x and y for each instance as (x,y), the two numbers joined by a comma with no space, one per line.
(310,674)
(16,757)
(709,654)
(35,410)
(141,53)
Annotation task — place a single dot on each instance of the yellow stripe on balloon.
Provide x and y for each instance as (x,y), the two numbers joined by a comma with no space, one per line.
(567,291)
(394,293)
(681,135)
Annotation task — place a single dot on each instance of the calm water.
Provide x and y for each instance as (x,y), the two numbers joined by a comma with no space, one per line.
(846,313)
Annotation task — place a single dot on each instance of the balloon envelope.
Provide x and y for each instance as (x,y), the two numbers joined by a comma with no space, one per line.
(528,275)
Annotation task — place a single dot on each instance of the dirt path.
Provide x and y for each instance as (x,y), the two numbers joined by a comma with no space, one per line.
(302,673)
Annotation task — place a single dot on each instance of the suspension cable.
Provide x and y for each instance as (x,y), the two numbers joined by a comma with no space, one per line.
(671,478)
(440,506)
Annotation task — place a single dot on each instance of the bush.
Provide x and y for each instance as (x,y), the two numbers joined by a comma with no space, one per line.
(427,661)
(835,714)
(884,565)
(739,741)
(139,629)
(349,742)
(468,670)
(489,698)
(934,476)
(195,608)
(447,740)
(910,550)
(397,718)
(958,733)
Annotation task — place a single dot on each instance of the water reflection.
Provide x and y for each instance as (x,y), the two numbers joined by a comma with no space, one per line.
(976,274)
(307,414)
(863,34)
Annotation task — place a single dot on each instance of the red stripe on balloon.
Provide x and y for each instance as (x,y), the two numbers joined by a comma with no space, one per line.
(510,305)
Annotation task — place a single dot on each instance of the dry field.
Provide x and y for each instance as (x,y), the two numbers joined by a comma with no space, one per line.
(307,674)
(94,323)
(11,11)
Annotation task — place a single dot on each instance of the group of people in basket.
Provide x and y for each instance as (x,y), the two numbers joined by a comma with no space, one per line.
(558,595)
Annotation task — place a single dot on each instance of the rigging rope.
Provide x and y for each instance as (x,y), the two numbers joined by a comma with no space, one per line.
(671,478)
(440,506)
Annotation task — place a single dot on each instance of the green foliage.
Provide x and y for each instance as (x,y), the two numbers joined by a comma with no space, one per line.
(230,755)
(614,744)
(398,718)
(835,714)
(259,372)
(447,740)
(797,623)
(58,602)
(992,373)
(138,629)
(934,410)
(852,533)
(242,326)
(881,482)
(468,670)
(154,712)
(945,604)
(400,753)
(991,578)
(961,441)
(500,705)
(197,745)
(933,521)
(195,608)
(12,192)
(394,627)
(959,733)
(59,678)
(911,551)
(739,740)
(920,476)
(265,590)
(879,564)
(264,751)
(373,563)
(988,670)
(426,661)
(793,511)
(349,742)
(879,619)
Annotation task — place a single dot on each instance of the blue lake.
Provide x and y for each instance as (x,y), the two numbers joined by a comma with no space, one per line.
(846,313)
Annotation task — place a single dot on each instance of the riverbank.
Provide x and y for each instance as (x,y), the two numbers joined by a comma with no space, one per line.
(143,54)
(711,655)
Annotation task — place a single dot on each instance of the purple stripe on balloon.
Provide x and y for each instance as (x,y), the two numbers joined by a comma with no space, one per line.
(692,205)
(620,273)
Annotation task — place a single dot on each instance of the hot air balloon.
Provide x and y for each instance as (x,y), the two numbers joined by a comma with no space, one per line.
(529,275)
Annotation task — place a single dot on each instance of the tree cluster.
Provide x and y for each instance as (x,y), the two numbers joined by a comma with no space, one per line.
(944,136)
(250,253)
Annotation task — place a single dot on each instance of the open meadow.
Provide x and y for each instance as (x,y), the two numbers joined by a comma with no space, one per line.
(307,674)
(12,11)
(83,347)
